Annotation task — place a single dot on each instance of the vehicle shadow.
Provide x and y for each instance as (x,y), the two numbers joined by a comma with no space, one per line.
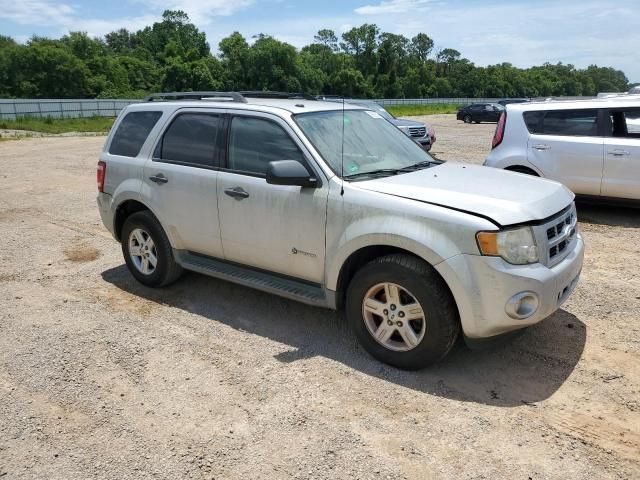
(612,216)
(526,370)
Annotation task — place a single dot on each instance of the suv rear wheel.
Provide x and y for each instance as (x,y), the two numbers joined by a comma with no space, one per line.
(147,251)
(467,119)
(402,312)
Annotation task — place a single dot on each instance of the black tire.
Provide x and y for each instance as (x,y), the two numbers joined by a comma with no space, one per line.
(467,119)
(166,270)
(525,170)
(440,312)
(477,121)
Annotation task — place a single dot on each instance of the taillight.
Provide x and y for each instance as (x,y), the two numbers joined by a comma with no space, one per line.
(499,134)
(102,171)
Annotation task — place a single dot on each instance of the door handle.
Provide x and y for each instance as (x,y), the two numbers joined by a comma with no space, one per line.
(618,153)
(238,193)
(541,146)
(158,178)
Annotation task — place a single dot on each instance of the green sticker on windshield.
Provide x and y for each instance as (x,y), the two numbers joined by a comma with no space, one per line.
(353,167)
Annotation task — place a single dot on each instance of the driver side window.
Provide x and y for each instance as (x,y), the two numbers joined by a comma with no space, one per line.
(254,142)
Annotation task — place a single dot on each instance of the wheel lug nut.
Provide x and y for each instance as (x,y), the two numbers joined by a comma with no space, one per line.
(385,311)
(392,307)
(389,322)
(401,314)
(399,324)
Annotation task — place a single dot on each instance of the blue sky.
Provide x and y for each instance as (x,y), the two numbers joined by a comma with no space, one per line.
(525,33)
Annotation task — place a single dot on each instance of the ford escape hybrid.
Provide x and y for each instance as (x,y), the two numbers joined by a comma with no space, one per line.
(336,208)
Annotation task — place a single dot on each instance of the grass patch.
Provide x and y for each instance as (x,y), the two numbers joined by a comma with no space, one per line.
(59,125)
(427,109)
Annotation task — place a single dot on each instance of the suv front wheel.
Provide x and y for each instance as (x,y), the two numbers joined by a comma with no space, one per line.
(147,251)
(402,312)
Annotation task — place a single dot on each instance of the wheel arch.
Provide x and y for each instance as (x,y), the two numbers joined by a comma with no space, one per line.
(360,257)
(123,211)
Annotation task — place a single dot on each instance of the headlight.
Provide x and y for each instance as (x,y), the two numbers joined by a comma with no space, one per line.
(517,246)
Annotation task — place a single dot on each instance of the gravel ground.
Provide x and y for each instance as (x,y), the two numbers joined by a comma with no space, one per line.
(103,378)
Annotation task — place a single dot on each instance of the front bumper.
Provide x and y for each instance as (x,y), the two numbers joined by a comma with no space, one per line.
(482,286)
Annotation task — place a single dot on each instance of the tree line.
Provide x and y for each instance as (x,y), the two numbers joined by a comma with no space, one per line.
(173,55)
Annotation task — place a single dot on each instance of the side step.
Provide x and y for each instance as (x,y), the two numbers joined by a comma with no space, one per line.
(309,293)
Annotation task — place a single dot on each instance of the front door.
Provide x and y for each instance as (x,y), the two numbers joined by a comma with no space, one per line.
(566,147)
(621,178)
(271,227)
(180,181)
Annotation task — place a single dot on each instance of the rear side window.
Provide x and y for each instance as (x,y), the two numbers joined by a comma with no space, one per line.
(578,123)
(254,142)
(132,132)
(191,140)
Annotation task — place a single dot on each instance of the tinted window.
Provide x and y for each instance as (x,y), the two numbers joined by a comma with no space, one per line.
(570,122)
(533,121)
(254,142)
(626,123)
(191,139)
(132,132)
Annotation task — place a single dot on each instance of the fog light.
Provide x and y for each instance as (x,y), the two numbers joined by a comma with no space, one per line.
(522,305)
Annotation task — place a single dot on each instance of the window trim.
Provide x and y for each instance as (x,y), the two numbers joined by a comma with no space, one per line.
(216,149)
(224,164)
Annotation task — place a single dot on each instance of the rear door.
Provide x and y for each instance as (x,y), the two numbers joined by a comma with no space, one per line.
(621,177)
(565,146)
(180,179)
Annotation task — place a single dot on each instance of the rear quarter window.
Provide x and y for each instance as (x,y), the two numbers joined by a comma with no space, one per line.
(132,132)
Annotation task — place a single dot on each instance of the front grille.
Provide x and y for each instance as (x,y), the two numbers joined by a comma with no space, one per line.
(557,236)
(417,131)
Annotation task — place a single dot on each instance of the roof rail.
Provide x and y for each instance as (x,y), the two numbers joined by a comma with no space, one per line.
(273,94)
(223,96)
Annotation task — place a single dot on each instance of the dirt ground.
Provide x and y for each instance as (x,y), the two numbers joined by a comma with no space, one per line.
(103,378)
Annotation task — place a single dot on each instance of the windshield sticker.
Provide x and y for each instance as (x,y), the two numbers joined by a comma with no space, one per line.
(373,114)
(353,167)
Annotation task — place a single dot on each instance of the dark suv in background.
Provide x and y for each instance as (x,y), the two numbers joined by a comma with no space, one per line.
(480,112)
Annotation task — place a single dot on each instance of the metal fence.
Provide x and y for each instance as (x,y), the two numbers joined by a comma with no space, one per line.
(433,101)
(10,109)
(13,108)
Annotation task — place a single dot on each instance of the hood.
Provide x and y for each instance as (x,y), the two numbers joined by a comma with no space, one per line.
(401,122)
(505,197)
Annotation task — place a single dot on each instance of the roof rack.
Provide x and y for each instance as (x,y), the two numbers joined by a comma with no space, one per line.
(223,96)
(273,94)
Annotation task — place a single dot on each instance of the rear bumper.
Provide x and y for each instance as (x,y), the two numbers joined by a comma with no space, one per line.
(482,286)
(107,213)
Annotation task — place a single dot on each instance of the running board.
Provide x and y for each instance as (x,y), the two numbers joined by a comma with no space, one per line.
(311,294)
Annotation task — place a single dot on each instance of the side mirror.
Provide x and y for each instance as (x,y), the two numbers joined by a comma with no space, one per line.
(290,172)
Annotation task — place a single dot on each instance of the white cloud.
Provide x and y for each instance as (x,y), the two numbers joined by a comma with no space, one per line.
(36,12)
(200,12)
(392,6)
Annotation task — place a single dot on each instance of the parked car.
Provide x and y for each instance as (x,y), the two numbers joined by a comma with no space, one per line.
(422,133)
(506,101)
(336,208)
(592,146)
(480,112)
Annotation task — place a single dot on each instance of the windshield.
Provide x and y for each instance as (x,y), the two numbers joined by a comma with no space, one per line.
(371,143)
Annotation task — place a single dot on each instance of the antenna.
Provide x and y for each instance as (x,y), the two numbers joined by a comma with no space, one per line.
(342,153)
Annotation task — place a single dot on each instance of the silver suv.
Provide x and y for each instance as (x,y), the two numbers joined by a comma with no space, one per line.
(337,208)
(591,146)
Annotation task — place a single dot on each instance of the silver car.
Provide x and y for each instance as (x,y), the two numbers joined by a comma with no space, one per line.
(338,209)
(593,146)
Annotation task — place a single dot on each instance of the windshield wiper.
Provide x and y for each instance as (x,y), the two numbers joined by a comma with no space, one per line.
(375,173)
(416,166)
